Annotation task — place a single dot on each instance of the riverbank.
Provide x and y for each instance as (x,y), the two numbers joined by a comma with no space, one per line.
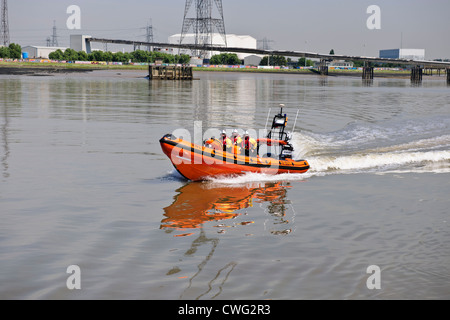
(331,72)
(31,68)
(62,67)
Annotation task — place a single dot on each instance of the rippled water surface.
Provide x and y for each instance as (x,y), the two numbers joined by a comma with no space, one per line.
(84,182)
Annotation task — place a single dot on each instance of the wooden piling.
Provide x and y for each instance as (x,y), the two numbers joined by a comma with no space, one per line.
(170,73)
(367,73)
(323,68)
(416,74)
(448,76)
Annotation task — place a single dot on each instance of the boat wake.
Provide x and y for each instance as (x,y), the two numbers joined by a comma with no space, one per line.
(418,146)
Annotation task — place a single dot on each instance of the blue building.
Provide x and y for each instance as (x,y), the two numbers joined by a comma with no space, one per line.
(409,54)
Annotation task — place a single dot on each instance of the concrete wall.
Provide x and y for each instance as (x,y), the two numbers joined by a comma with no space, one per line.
(78,43)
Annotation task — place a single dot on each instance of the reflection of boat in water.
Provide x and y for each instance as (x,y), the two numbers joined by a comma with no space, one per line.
(196,162)
(198,203)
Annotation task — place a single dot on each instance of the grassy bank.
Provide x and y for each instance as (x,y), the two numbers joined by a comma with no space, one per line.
(356,73)
(294,71)
(70,66)
(60,67)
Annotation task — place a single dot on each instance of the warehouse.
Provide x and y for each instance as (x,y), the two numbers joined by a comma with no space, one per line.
(253,60)
(40,52)
(409,54)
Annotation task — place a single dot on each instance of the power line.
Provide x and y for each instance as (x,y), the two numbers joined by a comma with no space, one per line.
(4,24)
(149,34)
(264,44)
(203,24)
(54,42)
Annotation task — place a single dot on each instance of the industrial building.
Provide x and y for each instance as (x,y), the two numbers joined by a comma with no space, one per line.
(253,60)
(233,40)
(340,64)
(78,43)
(336,64)
(40,52)
(409,54)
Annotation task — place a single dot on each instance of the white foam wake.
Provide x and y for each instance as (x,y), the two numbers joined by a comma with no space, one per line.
(365,150)
(379,161)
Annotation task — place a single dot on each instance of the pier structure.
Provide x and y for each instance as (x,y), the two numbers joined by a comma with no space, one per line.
(323,67)
(416,71)
(416,74)
(170,72)
(367,73)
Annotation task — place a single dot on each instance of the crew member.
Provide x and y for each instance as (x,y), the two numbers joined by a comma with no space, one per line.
(249,144)
(237,142)
(236,138)
(226,142)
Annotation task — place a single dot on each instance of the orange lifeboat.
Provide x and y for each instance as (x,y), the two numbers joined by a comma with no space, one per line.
(196,162)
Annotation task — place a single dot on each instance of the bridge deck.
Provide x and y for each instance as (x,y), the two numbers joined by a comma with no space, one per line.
(424,63)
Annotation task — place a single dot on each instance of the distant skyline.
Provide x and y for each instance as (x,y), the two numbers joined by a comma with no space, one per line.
(315,26)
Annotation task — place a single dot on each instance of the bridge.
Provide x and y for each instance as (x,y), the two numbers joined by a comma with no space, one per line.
(367,74)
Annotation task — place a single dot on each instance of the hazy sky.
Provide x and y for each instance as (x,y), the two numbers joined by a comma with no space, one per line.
(315,26)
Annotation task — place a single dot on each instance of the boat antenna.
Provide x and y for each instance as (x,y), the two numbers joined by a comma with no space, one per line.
(295,121)
(268,115)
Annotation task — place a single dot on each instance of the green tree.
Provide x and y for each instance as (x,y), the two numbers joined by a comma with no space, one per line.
(154,55)
(56,55)
(184,59)
(169,58)
(358,64)
(301,62)
(96,55)
(127,57)
(107,56)
(70,55)
(135,56)
(217,59)
(4,52)
(264,61)
(225,58)
(82,56)
(121,57)
(273,61)
(332,51)
(15,51)
(140,56)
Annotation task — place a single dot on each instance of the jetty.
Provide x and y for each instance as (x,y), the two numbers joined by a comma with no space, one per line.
(161,72)
(417,65)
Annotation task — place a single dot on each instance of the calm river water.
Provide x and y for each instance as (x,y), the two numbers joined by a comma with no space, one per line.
(84,182)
